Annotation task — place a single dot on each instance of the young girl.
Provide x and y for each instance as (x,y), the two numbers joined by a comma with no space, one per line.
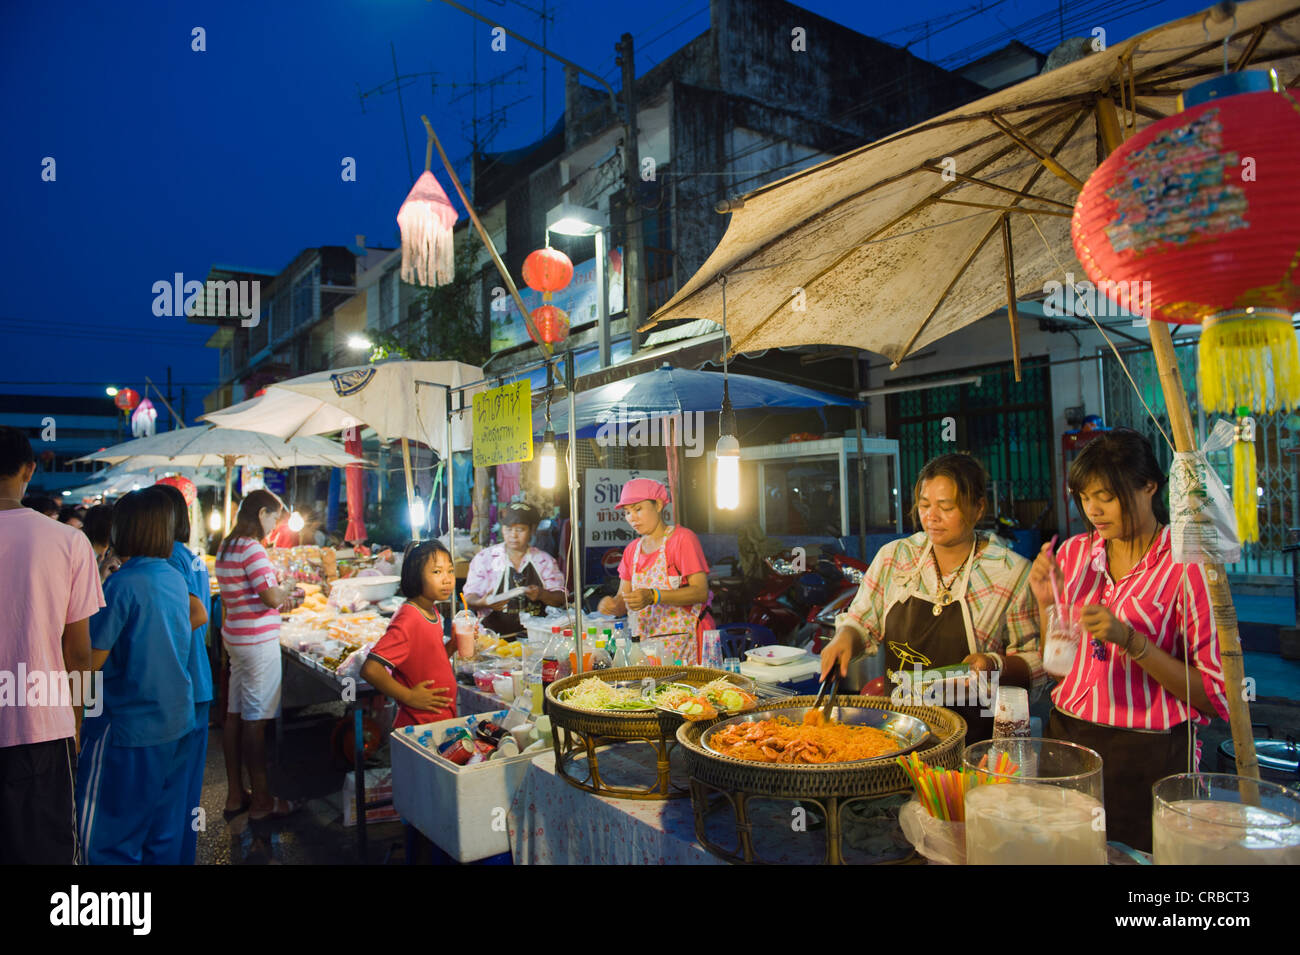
(415,646)
(133,802)
(1147,666)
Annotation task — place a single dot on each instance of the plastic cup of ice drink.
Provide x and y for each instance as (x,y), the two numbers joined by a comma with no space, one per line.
(1061,642)
(1048,811)
(464,627)
(1219,819)
(1011,712)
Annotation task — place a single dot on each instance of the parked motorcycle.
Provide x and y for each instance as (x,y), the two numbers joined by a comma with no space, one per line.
(789,599)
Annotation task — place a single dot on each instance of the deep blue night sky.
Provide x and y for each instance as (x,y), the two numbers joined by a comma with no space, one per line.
(170,160)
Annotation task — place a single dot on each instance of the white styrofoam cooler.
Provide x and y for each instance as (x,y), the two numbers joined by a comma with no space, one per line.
(462,809)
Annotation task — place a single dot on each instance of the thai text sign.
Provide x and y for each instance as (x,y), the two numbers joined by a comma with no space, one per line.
(605,525)
(503,425)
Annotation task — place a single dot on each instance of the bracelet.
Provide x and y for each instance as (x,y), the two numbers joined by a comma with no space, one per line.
(1146,645)
(655,591)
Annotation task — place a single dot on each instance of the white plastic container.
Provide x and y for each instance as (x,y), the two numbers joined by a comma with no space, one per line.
(460,808)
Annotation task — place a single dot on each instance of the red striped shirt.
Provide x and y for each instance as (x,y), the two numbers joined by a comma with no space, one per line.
(243,572)
(1166,602)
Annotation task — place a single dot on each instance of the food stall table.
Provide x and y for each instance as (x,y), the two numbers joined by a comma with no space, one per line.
(553,823)
(357,696)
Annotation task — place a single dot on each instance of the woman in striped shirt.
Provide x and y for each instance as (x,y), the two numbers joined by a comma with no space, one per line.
(1147,665)
(250,598)
(946,595)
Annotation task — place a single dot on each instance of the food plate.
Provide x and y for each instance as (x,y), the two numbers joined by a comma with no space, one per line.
(911,732)
(775,655)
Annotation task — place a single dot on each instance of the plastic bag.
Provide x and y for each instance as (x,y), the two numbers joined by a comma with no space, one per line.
(350,668)
(937,839)
(1202,523)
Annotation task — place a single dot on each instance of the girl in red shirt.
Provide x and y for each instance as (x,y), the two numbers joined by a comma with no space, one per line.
(415,647)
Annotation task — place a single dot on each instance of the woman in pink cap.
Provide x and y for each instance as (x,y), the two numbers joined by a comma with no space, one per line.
(665,577)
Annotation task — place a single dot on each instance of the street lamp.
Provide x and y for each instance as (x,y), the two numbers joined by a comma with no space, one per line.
(570,219)
(111,391)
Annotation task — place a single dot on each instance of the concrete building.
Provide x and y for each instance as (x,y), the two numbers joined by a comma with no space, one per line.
(768,89)
(62,428)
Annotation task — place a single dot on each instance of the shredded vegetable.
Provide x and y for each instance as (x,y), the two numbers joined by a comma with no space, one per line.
(595,694)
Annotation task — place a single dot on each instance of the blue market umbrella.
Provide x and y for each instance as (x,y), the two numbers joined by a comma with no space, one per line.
(668,391)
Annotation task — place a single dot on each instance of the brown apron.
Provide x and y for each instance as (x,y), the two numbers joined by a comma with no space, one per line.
(506,620)
(1131,762)
(942,638)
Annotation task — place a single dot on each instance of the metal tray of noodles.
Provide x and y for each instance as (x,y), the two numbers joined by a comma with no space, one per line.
(911,732)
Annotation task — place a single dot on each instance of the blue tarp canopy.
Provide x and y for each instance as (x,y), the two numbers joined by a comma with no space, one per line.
(669,391)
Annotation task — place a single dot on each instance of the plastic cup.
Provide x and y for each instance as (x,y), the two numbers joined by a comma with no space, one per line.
(464,627)
(1011,712)
(1061,643)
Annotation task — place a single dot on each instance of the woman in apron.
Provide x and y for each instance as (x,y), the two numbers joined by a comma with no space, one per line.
(511,565)
(665,578)
(1146,668)
(946,595)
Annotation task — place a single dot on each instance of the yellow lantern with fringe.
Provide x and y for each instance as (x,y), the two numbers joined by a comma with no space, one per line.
(1245,494)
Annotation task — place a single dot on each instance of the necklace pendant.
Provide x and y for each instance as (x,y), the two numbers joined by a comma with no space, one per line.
(937,611)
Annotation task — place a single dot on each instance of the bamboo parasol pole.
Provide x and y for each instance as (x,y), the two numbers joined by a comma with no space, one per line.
(1180,422)
(487,239)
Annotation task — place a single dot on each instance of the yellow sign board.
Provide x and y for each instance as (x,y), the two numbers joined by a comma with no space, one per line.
(503,425)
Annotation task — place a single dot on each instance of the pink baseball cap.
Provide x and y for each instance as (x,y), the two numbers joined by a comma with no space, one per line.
(642,489)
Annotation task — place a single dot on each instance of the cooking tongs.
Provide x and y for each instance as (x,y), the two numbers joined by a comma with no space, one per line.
(832,682)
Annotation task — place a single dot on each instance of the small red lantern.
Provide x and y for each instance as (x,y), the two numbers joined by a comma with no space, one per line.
(182,484)
(1199,216)
(547,270)
(126,399)
(552,324)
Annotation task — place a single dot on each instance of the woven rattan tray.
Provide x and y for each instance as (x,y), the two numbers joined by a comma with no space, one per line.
(717,781)
(796,781)
(579,733)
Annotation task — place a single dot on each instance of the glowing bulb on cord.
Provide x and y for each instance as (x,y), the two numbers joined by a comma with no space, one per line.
(727,492)
(546,461)
(214,520)
(417,512)
(296,522)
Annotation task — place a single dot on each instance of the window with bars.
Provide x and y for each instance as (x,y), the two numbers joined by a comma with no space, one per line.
(1005,423)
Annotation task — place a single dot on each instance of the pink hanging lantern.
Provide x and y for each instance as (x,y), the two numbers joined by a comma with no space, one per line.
(426,220)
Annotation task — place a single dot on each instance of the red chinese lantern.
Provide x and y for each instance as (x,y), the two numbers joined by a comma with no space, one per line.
(126,399)
(182,484)
(547,270)
(1201,211)
(552,324)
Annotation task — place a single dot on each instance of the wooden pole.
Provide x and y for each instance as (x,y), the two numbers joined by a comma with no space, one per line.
(410,488)
(1009,261)
(1180,422)
(487,241)
(230,464)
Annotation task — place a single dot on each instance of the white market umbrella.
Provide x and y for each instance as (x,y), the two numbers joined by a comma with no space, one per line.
(121,478)
(384,397)
(226,447)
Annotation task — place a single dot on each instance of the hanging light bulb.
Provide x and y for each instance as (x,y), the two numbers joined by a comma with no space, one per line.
(546,461)
(417,512)
(214,520)
(296,522)
(727,489)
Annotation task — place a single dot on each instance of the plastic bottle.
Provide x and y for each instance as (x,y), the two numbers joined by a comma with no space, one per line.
(551,663)
(620,653)
(635,655)
(566,653)
(600,659)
